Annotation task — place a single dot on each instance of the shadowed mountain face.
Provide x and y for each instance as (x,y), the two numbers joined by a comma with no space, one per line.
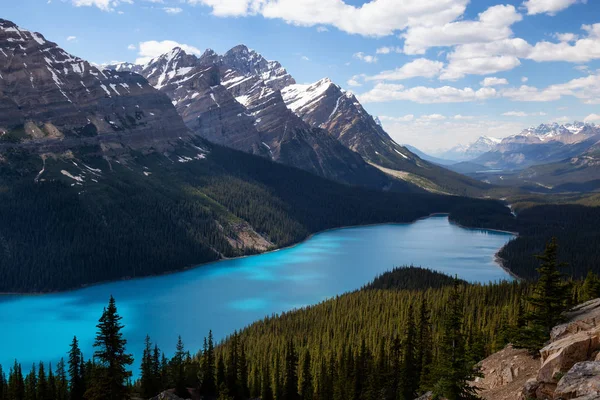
(235,100)
(243,101)
(51,98)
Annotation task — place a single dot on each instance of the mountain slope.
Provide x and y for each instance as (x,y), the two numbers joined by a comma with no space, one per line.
(304,118)
(52,98)
(326,105)
(234,100)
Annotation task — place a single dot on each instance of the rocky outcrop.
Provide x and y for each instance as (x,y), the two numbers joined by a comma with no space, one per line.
(235,100)
(568,368)
(562,354)
(505,373)
(583,380)
(48,97)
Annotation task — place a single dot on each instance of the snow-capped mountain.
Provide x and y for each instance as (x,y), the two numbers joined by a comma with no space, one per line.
(554,132)
(55,98)
(326,105)
(242,100)
(470,151)
(235,100)
(545,143)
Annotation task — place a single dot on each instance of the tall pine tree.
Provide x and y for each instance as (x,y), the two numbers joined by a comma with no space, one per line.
(547,303)
(109,380)
(454,371)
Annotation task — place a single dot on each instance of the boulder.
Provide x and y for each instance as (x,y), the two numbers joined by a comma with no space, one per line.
(559,356)
(583,317)
(583,379)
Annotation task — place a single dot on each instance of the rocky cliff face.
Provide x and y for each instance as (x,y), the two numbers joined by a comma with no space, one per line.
(326,105)
(568,367)
(235,100)
(51,98)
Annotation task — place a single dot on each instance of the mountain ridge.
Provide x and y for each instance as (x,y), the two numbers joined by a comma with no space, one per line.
(281,108)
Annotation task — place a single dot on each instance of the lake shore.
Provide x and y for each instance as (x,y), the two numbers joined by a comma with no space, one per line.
(305,239)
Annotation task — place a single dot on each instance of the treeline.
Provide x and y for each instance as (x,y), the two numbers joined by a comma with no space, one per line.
(56,234)
(411,278)
(574,226)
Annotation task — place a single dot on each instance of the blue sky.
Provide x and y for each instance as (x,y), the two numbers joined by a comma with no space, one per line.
(420,65)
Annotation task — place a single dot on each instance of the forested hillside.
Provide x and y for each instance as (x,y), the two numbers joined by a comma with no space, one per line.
(77,218)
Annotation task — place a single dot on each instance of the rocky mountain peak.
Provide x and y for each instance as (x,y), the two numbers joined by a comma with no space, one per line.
(209,57)
(50,94)
(248,62)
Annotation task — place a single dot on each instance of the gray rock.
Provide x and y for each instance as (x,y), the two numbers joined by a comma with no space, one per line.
(583,379)
(62,99)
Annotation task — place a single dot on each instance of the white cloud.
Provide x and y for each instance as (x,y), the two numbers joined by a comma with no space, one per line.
(457,69)
(388,50)
(355,80)
(485,58)
(548,6)
(566,37)
(104,5)
(374,18)
(562,120)
(493,81)
(524,79)
(304,58)
(152,48)
(493,24)
(406,118)
(463,117)
(582,50)
(364,57)
(587,89)
(592,118)
(421,67)
(425,95)
(431,117)
(131,47)
(523,114)
(321,29)
(71,38)
(172,10)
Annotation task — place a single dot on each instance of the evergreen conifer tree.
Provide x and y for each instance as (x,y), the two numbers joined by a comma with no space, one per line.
(290,383)
(109,380)
(306,387)
(76,384)
(547,303)
(454,371)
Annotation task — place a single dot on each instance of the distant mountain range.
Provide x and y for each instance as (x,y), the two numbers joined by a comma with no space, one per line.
(545,143)
(470,151)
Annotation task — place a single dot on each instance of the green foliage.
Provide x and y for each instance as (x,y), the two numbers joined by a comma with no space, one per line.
(574,226)
(547,303)
(110,374)
(411,278)
(454,370)
(56,234)
(382,344)
(591,287)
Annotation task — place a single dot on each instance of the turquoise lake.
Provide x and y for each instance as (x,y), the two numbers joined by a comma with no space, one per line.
(229,295)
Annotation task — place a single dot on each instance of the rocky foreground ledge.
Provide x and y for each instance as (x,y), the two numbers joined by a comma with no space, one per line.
(568,367)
